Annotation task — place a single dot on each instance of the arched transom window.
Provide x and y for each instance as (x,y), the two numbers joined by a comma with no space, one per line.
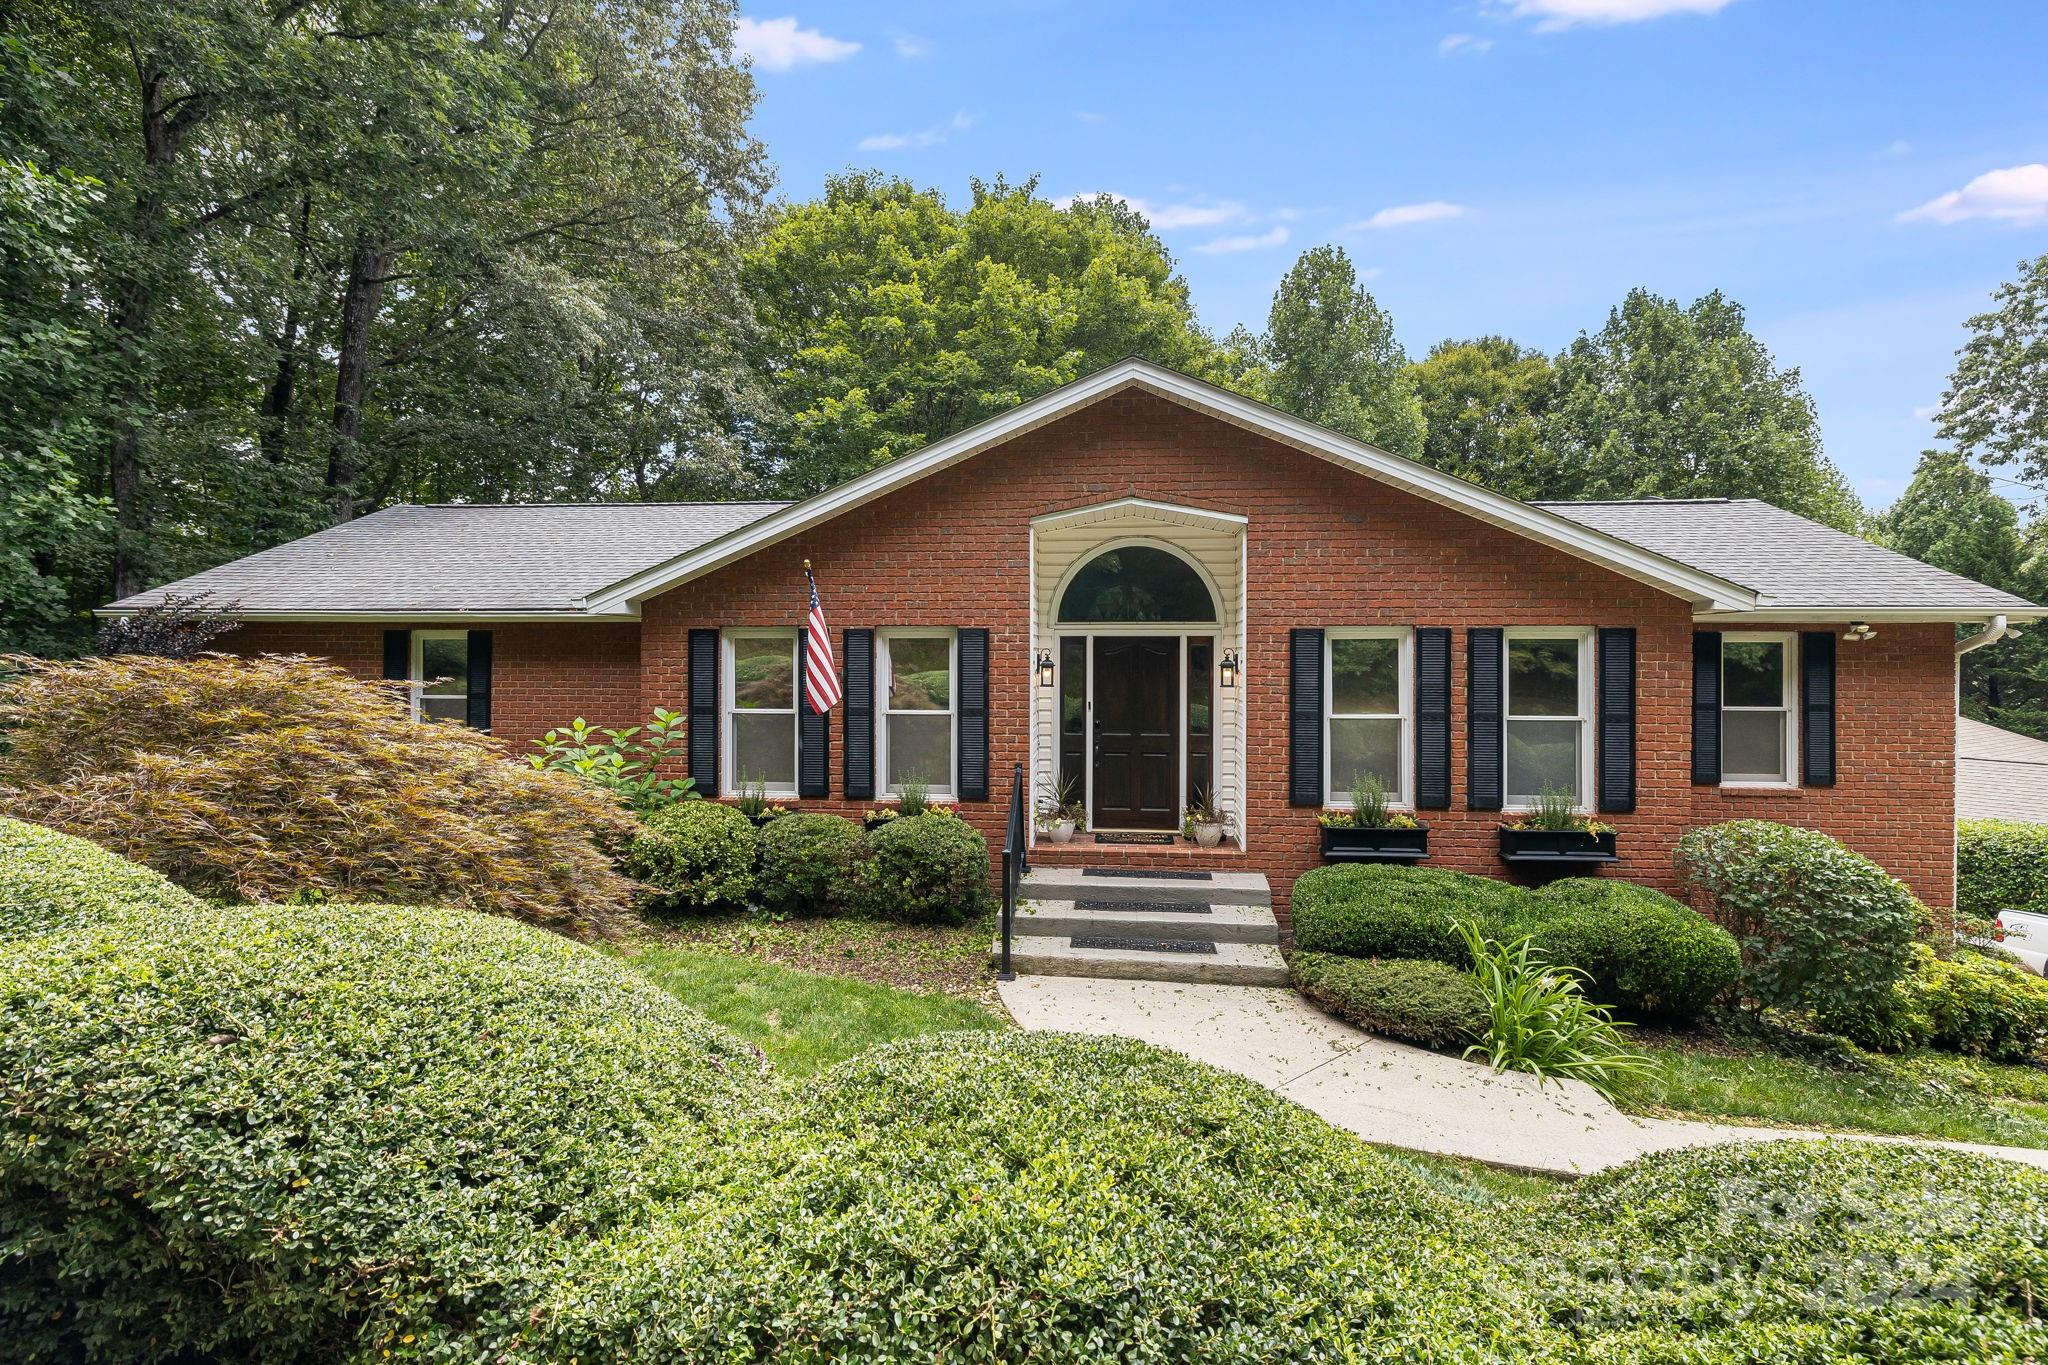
(1137,583)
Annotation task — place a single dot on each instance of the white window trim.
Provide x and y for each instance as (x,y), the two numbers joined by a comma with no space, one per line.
(729,775)
(418,670)
(1588,668)
(884,672)
(1789,778)
(1403,797)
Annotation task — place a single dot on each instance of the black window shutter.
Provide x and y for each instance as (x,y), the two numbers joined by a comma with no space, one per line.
(398,655)
(973,757)
(1706,707)
(1617,719)
(1484,648)
(1432,718)
(1817,708)
(704,711)
(860,714)
(813,731)
(479,680)
(1305,718)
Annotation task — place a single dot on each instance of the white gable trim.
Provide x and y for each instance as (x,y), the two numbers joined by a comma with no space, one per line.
(1705,591)
(1123,508)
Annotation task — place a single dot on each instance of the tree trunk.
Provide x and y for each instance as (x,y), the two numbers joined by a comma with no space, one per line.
(360,299)
(274,417)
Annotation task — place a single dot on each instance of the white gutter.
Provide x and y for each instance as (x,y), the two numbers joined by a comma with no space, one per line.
(1994,631)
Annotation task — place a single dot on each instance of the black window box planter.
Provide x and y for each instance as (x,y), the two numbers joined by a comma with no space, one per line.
(1352,844)
(1556,846)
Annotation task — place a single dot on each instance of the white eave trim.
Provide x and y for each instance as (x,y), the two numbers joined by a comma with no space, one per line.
(1131,507)
(1703,590)
(371,618)
(1766,613)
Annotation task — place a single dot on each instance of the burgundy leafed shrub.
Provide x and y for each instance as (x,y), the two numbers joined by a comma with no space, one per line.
(261,779)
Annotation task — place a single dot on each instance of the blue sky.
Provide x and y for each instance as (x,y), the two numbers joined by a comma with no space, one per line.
(1859,176)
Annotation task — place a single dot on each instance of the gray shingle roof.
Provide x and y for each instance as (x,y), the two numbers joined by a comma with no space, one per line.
(456,558)
(1786,559)
(1999,775)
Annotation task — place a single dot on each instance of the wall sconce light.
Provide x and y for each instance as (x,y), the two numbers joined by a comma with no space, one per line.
(1045,670)
(1230,668)
(1860,630)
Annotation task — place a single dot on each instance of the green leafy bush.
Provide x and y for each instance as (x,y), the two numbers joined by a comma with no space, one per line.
(2000,865)
(50,880)
(627,760)
(1794,1251)
(265,778)
(1978,1006)
(264,1132)
(1539,1019)
(812,864)
(1644,953)
(1821,928)
(698,854)
(928,869)
(1427,1003)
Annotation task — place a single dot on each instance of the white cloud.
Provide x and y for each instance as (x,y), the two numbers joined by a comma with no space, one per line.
(779,45)
(1090,116)
(1173,217)
(1896,148)
(1223,246)
(1551,15)
(910,47)
(1463,44)
(923,137)
(2017,194)
(1405,215)
(1371,272)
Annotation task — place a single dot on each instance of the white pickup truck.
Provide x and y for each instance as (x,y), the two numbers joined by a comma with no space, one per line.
(2026,939)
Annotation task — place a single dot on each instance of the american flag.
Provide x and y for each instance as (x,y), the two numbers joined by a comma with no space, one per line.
(821,674)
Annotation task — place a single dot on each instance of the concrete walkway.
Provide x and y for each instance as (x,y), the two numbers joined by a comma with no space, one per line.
(1386,1092)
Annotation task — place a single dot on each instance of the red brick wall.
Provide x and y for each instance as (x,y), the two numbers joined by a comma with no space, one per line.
(1327,548)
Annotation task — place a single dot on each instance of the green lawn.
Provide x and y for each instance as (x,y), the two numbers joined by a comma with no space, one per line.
(1926,1095)
(803,1020)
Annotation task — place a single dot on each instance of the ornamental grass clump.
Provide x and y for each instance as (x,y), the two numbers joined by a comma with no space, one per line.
(266,778)
(1540,1021)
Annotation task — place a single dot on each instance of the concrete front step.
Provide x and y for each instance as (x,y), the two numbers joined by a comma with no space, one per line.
(1117,917)
(1121,884)
(1233,964)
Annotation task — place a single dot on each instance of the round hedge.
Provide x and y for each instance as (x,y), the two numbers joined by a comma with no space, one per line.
(1367,910)
(812,864)
(1796,1251)
(2000,865)
(1042,1197)
(698,854)
(49,880)
(278,1132)
(1426,1003)
(928,869)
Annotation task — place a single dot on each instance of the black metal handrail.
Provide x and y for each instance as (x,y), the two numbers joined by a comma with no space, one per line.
(1016,861)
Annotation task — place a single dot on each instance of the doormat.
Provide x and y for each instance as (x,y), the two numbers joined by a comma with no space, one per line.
(1148,873)
(1133,838)
(1149,907)
(1145,945)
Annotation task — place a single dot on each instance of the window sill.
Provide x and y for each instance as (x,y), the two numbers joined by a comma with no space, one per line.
(1761,789)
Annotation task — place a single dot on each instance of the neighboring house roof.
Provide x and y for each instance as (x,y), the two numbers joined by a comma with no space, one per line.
(1731,559)
(1796,567)
(455,560)
(1999,775)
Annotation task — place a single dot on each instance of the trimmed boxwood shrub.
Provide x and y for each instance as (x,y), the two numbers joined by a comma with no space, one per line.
(262,1132)
(1821,927)
(1427,1003)
(50,880)
(812,864)
(1646,954)
(1794,1251)
(928,869)
(698,854)
(2000,865)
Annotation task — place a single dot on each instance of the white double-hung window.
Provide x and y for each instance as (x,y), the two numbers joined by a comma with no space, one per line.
(1548,714)
(917,669)
(440,672)
(1369,707)
(1757,714)
(760,711)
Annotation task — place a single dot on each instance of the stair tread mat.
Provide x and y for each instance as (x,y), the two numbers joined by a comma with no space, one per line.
(1144,945)
(1149,873)
(1149,907)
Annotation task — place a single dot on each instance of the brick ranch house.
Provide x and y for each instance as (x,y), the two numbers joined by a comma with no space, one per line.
(1156,589)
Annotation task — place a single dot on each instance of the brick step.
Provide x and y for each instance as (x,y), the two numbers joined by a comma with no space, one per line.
(1231,964)
(1116,918)
(1212,887)
(1047,854)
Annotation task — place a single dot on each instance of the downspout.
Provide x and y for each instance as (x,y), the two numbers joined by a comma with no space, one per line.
(1994,631)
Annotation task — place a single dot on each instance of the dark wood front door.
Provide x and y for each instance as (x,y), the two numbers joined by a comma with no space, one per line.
(1137,732)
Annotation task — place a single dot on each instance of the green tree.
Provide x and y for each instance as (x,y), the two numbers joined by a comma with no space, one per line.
(889,320)
(1483,403)
(1331,356)
(1950,516)
(1682,402)
(1996,406)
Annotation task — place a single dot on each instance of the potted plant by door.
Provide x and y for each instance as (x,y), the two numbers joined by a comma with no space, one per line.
(1059,814)
(1554,832)
(1204,821)
(1369,832)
